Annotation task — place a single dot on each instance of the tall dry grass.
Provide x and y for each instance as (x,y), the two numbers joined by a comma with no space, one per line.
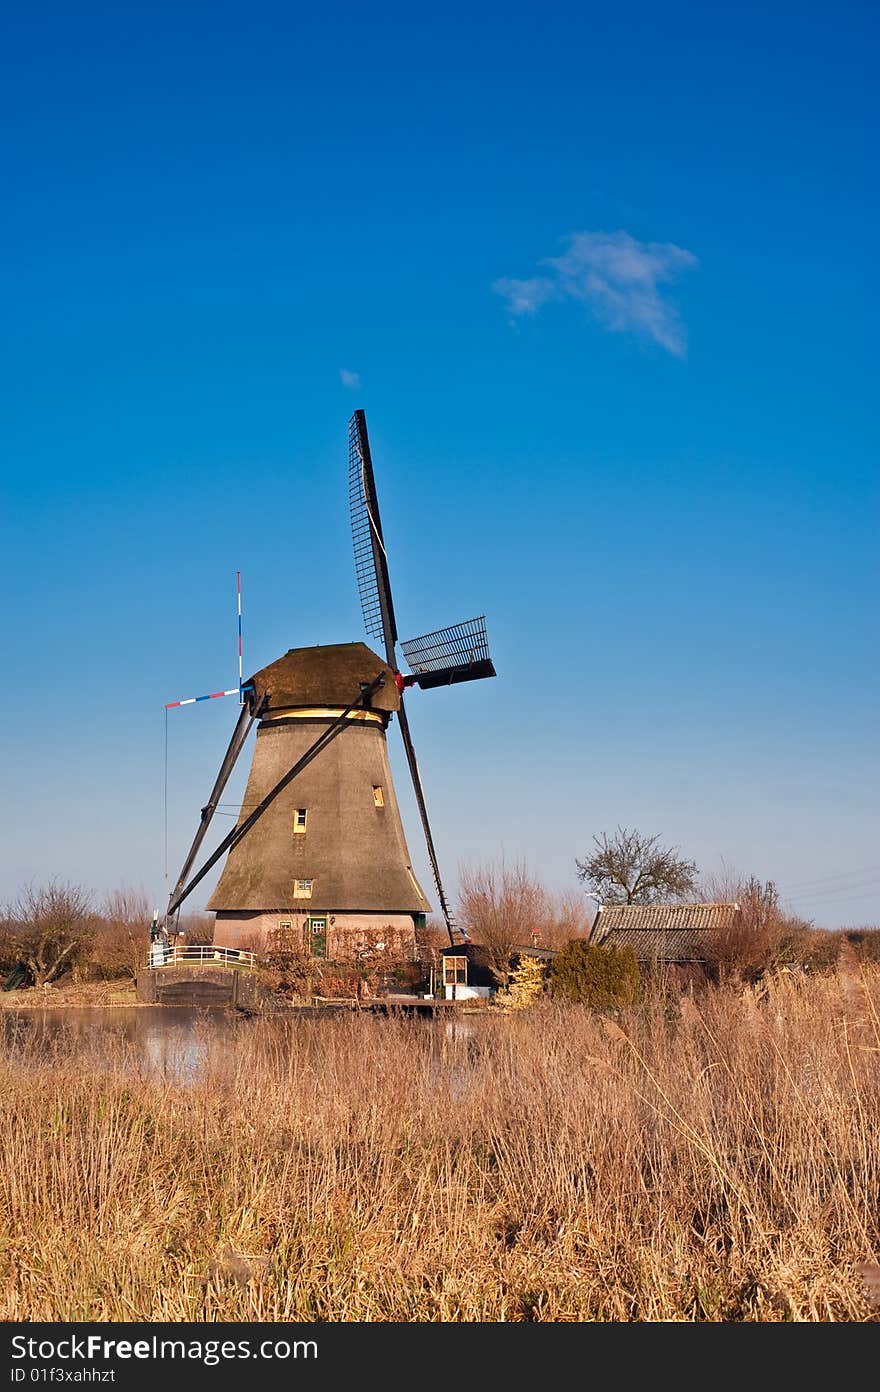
(715,1161)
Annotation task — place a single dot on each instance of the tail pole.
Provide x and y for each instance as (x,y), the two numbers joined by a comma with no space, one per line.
(240,679)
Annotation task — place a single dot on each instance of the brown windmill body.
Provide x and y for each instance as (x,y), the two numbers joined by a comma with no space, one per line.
(327,867)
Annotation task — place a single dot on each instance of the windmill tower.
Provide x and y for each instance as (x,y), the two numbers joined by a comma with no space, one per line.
(318,857)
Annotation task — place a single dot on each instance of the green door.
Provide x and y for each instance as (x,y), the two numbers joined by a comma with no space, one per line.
(318,934)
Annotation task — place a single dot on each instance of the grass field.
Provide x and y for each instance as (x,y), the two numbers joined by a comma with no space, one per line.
(710,1160)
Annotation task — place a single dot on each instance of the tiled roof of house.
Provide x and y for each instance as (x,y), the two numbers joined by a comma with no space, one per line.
(665,932)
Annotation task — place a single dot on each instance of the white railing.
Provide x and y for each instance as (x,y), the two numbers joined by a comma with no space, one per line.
(164,955)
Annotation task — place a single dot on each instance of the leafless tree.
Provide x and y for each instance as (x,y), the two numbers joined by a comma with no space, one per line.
(567,916)
(197,928)
(499,906)
(9,953)
(52,925)
(123,934)
(631,868)
(764,935)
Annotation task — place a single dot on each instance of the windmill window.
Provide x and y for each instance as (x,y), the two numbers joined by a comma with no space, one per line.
(300,817)
(302,889)
(378,795)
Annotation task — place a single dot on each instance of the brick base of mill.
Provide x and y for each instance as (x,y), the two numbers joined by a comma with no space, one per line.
(341,937)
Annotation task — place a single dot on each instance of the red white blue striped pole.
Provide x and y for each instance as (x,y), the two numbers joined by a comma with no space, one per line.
(233,691)
(211,696)
(240,688)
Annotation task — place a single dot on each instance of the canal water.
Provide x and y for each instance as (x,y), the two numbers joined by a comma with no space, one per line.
(171,1042)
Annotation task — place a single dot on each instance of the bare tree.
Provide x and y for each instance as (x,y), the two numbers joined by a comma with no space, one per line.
(197,928)
(567,917)
(499,906)
(630,868)
(430,940)
(10,955)
(52,926)
(764,934)
(123,934)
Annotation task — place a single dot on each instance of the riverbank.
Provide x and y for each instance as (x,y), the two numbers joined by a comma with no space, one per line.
(80,994)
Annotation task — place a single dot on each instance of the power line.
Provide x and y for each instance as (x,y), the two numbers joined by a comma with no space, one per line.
(845,899)
(166,802)
(826,879)
(829,894)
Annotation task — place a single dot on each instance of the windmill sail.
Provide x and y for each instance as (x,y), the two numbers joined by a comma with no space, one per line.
(456,654)
(370,557)
(374,587)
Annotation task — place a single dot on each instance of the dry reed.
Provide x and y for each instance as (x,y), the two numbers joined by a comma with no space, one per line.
(713,1160)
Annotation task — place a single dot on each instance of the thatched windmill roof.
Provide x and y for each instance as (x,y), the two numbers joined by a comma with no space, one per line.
(324,676)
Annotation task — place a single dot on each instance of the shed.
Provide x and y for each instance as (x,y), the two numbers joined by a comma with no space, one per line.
(466,972)
(671,934)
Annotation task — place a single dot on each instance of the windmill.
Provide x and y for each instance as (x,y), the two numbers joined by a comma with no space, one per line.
(319,848)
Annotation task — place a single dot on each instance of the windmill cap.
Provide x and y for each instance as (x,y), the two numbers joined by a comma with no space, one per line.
(330,675)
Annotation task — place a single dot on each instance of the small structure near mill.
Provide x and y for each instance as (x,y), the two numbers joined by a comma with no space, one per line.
(467,971)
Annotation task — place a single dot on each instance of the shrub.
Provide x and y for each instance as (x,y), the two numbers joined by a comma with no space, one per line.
(197,928)
(816,949)
(289,972)
(866,943)
(603,978)
(526,984)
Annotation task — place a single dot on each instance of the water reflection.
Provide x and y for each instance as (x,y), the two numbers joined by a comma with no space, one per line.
(169,1041)
(183,1044)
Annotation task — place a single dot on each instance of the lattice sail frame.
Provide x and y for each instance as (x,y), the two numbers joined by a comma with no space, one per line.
(370,561)
(460,645)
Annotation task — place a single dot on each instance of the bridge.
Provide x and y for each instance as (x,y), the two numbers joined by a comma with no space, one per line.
(204,975)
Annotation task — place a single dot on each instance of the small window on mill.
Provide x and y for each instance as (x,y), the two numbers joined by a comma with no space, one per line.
(300,817)
(302,889)
(378,796)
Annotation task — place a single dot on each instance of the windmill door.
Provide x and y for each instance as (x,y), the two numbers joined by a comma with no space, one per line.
(318,935)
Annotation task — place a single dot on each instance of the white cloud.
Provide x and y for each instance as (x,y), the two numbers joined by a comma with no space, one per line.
(617,278)
(350,379)
(525,296)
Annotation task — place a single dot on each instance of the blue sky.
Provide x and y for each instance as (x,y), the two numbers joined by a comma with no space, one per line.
(602,282)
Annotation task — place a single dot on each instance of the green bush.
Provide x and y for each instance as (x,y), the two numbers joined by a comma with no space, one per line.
(603,978)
